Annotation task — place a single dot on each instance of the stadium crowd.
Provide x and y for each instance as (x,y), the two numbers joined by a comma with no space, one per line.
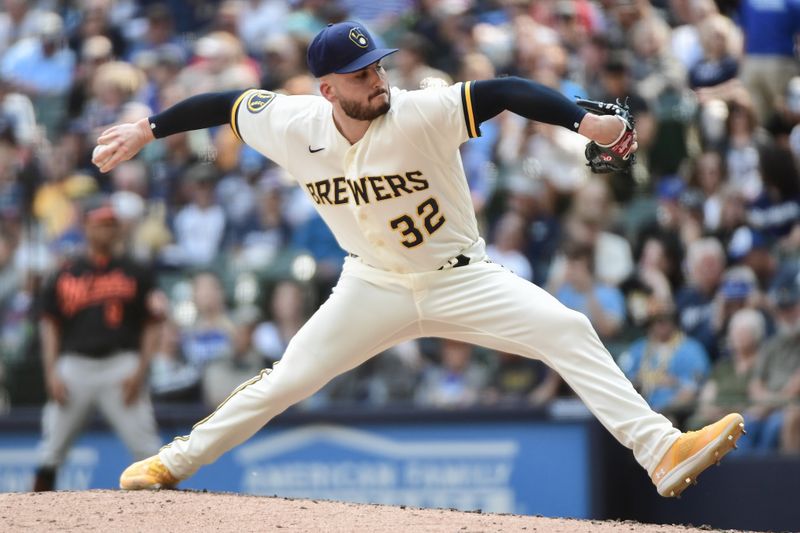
(689,268)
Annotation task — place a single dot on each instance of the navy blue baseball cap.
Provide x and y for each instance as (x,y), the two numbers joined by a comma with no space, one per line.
(343,47)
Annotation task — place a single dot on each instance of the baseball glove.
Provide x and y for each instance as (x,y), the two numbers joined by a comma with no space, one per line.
(614,157)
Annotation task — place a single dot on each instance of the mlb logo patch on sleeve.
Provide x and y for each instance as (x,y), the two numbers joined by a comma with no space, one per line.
(259,100)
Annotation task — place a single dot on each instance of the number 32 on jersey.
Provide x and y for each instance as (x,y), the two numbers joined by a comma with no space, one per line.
(428,214)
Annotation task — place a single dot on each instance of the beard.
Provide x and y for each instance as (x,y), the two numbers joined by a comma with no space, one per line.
(359,111)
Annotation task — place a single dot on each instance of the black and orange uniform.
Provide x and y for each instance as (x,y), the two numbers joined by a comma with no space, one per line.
(99,305)
(99,308)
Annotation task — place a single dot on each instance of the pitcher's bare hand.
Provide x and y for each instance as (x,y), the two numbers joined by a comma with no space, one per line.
(120,143)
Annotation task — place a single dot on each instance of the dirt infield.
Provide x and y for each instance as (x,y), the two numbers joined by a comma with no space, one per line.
(187,511)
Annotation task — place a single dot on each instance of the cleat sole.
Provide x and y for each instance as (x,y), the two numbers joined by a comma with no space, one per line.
(691,469)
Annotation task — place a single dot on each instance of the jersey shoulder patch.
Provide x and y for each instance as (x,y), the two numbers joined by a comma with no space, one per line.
(259,100)
(254,101)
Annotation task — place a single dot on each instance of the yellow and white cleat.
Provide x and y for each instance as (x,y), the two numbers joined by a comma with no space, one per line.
(147,474)
(695,451)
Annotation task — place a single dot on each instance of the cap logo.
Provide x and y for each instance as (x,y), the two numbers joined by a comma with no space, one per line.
(259,100)
(358,37)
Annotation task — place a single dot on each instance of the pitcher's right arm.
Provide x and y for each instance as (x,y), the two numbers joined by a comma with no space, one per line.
(123,141)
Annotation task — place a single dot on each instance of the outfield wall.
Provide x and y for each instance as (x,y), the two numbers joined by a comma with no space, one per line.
(507,461)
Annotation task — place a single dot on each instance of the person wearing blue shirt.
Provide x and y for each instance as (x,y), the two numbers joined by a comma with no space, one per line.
(769,28)
(42,68)
(43,65)
(603,304)
(666,366)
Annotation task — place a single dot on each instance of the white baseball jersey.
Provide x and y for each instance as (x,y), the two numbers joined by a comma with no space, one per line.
(397,198)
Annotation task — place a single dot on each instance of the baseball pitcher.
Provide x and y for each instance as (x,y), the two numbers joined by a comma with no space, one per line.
(382,167)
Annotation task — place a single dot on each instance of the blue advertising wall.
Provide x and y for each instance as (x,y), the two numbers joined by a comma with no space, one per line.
(509,467)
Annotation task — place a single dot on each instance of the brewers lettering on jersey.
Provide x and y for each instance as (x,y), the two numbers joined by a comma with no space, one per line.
(383,170)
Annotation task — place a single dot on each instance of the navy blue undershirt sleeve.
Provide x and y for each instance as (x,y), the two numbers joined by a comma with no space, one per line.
(526,98)
(195,113)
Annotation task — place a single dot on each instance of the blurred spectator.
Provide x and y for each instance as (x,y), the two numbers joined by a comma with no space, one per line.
(18,21)
(159,30)
(94,52)
(580,290)
(151,235)
(727,387)
(161,68)
(738,290)
(57,204)
(9,277)
(288,311)
(733,213)
(769,61)
(776,210)
(208,336)
(616,83)
(42,68)
(705,263)
(508,243)
(394,375)
(654,68)
(200,217)
(477,155)
(519,381)
(95,21)
(266,232)
(259,21)
(708,175)
(686,41)
(390,378)
(654,276)
(20,284)
(457,381)
(173,157)
(742,153)
(237,193)
(311,16)
(553,63)
(535,200)
(790,437)
(554,151)
(17,113)
(172,378)
(593,56)
(589,223)
(751,249)
(221,65)
(113,85)
(283,58)
(237,366)
(721,47)
(13,198)
(410,64)
(313,237)
(666,366)
(776,381)
(712,119)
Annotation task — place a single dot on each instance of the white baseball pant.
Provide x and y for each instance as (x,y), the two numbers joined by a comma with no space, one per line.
(482,303)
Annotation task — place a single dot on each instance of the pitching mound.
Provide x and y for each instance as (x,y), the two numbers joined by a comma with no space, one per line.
(178,511)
